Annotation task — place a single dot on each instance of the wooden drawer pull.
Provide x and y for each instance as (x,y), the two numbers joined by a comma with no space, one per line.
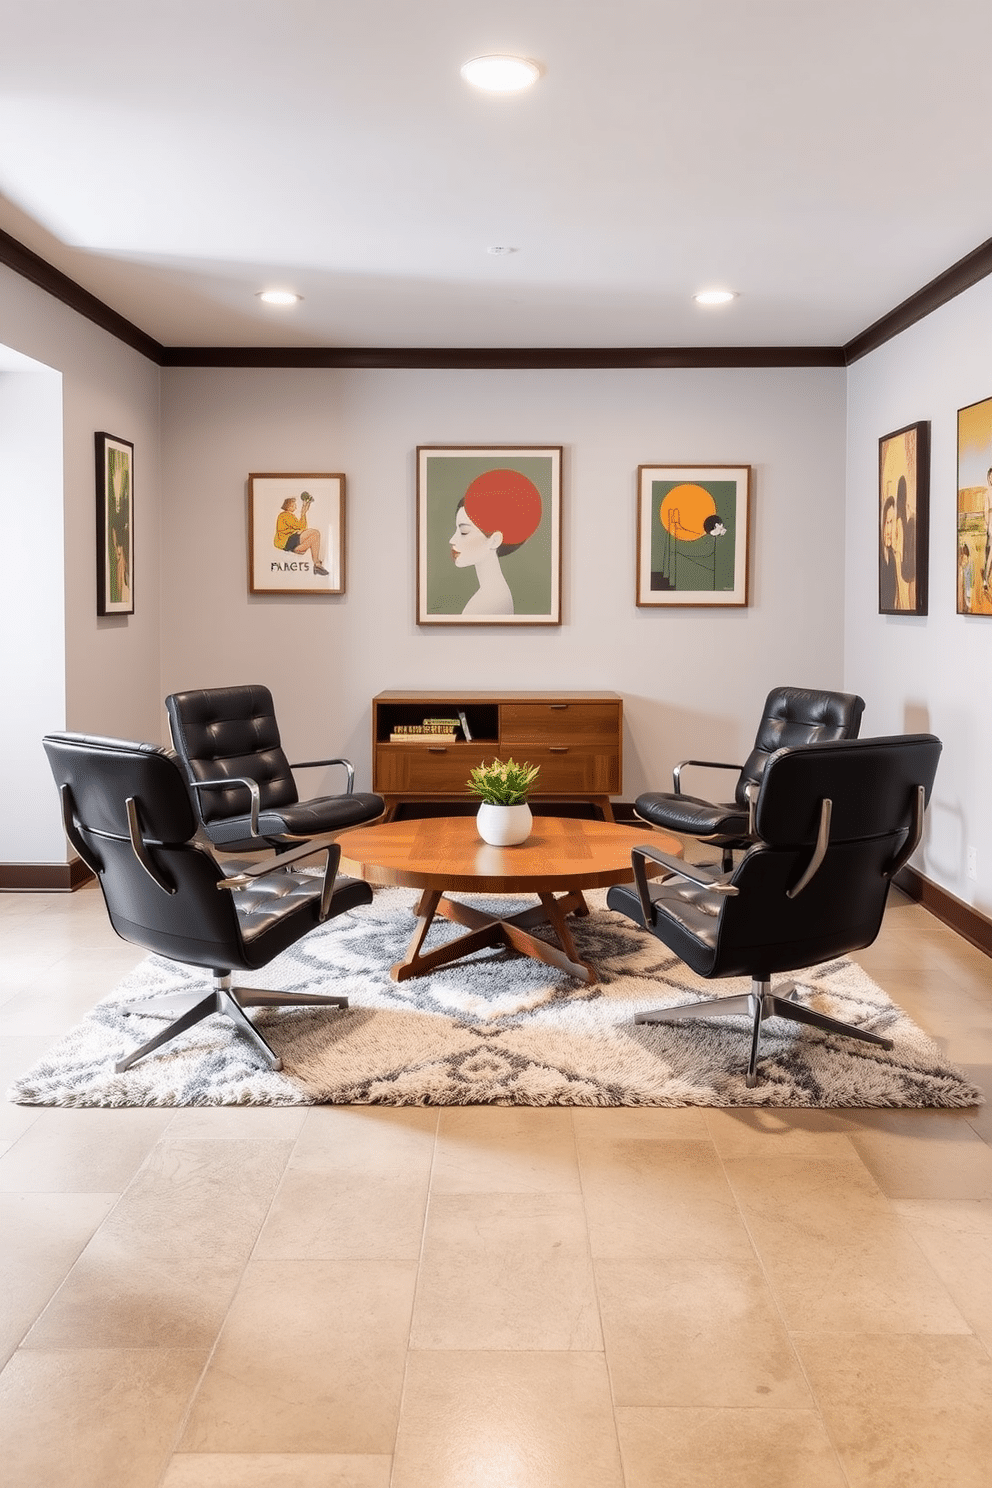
(560,707)
(437,749)
(557,748)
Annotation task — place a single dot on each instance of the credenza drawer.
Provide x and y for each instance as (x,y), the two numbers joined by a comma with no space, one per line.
(568,768)
(431,768)
(579,722)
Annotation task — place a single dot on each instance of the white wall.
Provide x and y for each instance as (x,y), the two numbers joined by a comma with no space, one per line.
(32,611)
(692,680)
(929,672)
(107,669)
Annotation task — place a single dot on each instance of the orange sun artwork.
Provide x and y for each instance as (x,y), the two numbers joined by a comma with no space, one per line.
(684,510)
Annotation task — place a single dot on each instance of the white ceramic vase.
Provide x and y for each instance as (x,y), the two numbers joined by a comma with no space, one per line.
(504,826)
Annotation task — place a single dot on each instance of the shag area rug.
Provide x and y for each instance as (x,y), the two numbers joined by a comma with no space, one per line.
(498,1029)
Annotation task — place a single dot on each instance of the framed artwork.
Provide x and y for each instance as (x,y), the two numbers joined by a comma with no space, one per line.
(974,544)
(692,534)
(114,525)
(904,520)
(295,534)
(489,535)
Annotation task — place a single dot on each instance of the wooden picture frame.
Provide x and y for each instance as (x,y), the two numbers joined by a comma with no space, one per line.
(489,534)
(693,524)
(904,520)
(974,509)
(114,525)
(296,533)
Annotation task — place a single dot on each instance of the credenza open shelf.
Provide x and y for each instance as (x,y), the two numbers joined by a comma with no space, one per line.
(575,737)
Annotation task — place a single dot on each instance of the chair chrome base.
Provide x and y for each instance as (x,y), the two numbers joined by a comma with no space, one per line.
(188,1008)
(759,1004)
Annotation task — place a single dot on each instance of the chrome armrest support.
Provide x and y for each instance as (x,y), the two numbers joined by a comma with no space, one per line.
(141,849)
(313,764)
(250,785)
(695,873)
(72,831)
(751,790)
(915,835)
(703,764)
(819,851)
(245,876)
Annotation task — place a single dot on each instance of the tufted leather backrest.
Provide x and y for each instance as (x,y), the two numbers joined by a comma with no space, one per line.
(230,731)
(192,923)
(799,715)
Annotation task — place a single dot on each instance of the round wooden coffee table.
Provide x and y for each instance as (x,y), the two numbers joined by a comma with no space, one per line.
(561,857)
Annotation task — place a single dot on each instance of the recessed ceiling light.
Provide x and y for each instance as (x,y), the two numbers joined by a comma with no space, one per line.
(714,296)
(501,74)
(278,297)
(498,249)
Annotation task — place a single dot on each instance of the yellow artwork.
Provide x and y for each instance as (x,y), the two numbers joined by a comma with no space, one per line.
(974,545)
(903,490)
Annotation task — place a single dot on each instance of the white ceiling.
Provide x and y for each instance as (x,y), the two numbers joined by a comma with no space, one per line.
(824,158)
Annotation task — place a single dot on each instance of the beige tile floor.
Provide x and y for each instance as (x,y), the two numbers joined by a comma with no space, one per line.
(474,1298)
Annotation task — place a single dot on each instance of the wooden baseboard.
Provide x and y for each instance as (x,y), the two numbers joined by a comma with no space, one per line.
(43,878)
(969,922)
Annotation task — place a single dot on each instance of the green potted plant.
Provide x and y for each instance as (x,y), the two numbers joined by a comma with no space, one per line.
(504,817)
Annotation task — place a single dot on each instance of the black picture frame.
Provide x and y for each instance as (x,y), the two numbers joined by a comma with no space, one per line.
(114,525)
(904,520)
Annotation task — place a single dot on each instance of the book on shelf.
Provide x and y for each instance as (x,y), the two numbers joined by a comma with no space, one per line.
(429,726)
(423,736)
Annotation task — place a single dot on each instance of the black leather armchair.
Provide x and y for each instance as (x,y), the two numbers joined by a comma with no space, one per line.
(792,715)
(834,823)
(242,783)
(127,813)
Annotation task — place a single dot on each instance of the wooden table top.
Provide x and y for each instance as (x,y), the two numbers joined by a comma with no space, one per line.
(447,853)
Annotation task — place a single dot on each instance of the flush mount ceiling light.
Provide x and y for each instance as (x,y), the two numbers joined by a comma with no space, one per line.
(278,297)
(500,74)
(714,296)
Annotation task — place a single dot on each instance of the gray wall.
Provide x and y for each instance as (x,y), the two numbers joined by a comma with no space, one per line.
(933,672)
(692,679)
(99,675)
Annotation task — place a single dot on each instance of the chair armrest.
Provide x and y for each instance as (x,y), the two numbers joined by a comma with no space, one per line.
(250,785)
(312,765)
(702,764)
(695,873)
(915,834)
(245,876)
(752,791)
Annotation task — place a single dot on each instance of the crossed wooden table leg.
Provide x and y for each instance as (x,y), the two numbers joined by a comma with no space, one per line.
(494,930)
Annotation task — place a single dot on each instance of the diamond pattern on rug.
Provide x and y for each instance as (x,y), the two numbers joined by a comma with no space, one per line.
(498,1028)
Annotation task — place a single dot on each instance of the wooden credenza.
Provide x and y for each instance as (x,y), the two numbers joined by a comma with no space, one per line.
(575,737)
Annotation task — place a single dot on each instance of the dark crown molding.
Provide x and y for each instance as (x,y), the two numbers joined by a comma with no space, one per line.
(952,282)
(54,282)
(959,277)
(510,358)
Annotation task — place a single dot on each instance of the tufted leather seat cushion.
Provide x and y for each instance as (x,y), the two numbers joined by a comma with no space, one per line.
(690,814)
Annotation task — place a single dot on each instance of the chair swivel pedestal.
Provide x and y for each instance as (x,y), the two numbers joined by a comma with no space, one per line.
(760,1004)
(188,1008)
